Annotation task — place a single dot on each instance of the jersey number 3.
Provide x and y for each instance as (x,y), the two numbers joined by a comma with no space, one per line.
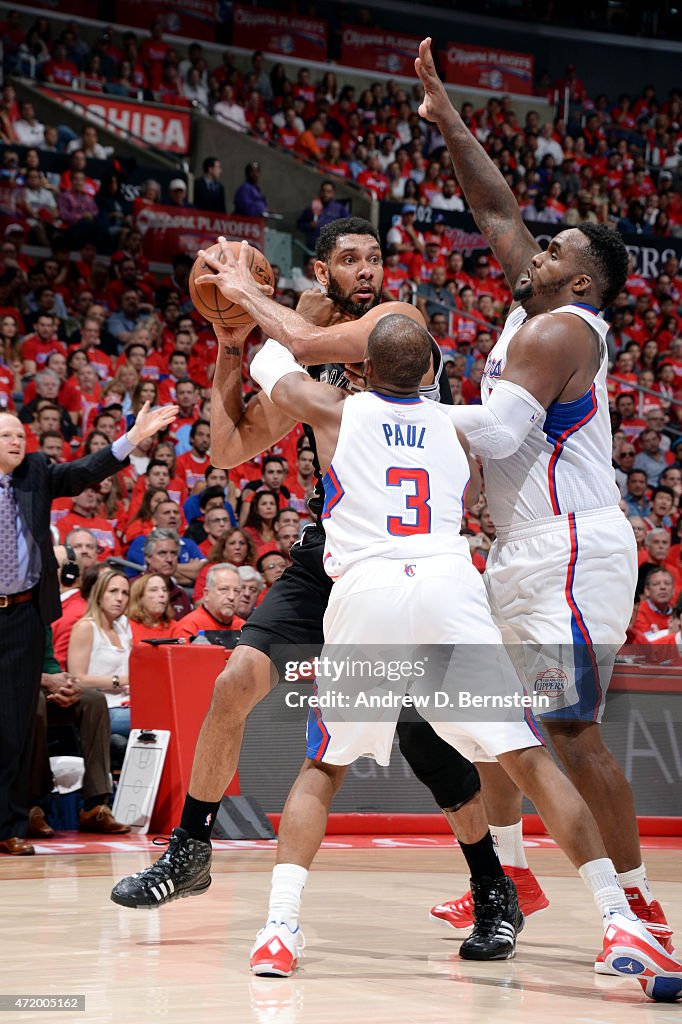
(417,518)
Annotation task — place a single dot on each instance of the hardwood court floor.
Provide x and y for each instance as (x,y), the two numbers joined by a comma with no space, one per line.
(373,954)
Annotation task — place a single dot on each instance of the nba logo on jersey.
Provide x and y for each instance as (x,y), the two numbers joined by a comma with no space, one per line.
(410,570)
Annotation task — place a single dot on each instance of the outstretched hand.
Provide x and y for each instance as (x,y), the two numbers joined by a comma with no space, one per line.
(435,106)
(232,277)
(151,421)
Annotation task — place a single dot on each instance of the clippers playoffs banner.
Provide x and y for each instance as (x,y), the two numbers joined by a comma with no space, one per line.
(168,230)
(195,19)
(483,68)
(256,28)
(377,50)
(146,125)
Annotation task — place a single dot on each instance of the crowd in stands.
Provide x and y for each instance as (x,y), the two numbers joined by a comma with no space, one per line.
(84,344)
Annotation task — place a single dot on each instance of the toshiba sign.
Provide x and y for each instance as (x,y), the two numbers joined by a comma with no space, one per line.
(148,126)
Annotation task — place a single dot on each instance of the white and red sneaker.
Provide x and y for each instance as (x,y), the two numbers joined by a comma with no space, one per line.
(630,949)
(652,917)
(460,913)
(276,950)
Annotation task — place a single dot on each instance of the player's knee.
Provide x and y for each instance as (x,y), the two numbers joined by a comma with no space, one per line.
(335,773)
(236,692)
(452,780)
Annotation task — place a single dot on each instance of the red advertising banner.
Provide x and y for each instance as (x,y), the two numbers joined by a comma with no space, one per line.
(257,28)
(147,126)
(483,68)
(195,19)
(377,50)
(167,230)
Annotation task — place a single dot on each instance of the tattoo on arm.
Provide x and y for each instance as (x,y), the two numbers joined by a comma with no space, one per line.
(232,350)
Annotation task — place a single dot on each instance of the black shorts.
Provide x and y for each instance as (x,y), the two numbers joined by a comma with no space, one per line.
(292,612)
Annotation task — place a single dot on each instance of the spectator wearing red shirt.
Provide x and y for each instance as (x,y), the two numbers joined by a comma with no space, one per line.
(216,524)
(373,179)
(630,424)
(178,371)
(68,395)
(193,464)
(35,348)
(90,343)
(404,235)
(59,70)
(219,603)
(83,513)
(187,399)
(422,266)
(394,275)
(332,162)
(153,53)
(78,164)
(471,385)
(655,609)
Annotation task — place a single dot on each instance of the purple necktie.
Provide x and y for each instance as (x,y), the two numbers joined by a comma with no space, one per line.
(9,553)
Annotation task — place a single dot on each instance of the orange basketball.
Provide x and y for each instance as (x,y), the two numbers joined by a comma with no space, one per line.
(210,302)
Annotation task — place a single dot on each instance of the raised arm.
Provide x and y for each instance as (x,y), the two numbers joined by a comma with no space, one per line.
(310,344)
(491,200)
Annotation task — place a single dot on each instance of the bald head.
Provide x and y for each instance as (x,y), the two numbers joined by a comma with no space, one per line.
(398,353)
(12,442)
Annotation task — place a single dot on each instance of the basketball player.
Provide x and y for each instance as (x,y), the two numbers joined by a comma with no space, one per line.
(395,482)
(563,568)
(349,266)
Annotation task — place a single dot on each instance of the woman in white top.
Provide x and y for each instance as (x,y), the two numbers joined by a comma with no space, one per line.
(100,645)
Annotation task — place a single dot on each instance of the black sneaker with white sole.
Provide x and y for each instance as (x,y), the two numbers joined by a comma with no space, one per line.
(184,869)
(497,920)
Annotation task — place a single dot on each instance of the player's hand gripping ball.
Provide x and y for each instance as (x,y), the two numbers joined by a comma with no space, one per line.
(207,297)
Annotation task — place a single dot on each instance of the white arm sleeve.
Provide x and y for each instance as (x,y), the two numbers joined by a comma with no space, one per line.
(271,363)
(499,428)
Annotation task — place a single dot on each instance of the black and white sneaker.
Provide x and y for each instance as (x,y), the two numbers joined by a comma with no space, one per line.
(497,920)
(184,869)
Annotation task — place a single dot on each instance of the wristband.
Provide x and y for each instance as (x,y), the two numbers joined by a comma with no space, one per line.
(273,362)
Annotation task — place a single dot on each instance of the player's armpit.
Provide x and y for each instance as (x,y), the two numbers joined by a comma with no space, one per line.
(547,353)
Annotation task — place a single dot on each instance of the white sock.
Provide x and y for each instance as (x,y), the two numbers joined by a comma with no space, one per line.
(508,841)
(600,877)
(288,881)
(636,879)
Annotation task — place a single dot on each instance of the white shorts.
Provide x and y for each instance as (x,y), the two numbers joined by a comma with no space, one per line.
(564,589)
(385,612)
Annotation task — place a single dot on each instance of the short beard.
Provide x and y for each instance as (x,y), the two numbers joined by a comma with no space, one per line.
(346,303)
(530,291)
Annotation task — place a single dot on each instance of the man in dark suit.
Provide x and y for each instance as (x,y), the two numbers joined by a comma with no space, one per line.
(209,194)
(29,591)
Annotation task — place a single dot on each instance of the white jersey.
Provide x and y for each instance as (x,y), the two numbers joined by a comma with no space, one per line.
(564,464)
(395,488)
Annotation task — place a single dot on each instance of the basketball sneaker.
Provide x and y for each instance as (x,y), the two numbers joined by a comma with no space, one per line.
(276,950)
(460,913)
(497,920)
(184,869)
(630,949)
(654,920)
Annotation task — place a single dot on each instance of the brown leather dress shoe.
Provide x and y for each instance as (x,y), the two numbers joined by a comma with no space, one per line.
(100,819)
(16,847)
(38,828)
